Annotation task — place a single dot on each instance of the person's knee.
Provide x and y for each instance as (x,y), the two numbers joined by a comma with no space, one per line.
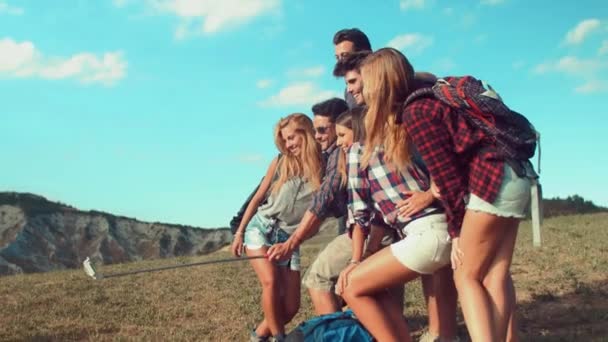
(497,281)
(269,283)
(463,276)
(351,292)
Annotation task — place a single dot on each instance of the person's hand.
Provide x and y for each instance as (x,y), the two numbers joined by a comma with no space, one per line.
(435,190)
(456,255)
(237,245)
(416,202)
(343,278)
(280,251)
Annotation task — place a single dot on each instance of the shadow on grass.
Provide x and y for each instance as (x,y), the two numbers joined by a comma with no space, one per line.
(578,315)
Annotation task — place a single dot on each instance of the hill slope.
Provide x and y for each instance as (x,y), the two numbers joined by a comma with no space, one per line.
(37,235)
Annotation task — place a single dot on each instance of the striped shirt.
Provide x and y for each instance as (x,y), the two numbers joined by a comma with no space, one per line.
(377,189)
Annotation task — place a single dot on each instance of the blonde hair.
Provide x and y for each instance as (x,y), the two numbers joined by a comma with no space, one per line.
(387,77)
(308,163)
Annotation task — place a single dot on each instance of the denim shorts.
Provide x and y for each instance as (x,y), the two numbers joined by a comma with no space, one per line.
(262,232)
(512,200)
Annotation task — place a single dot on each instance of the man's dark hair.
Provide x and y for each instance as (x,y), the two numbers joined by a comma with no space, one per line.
(352,61)
(354,35)
(331,108)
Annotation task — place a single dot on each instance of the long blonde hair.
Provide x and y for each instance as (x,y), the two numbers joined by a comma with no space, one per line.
(308,163)
(387,78)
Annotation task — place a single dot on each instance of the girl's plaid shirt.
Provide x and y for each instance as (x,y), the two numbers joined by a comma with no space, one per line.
(376,189)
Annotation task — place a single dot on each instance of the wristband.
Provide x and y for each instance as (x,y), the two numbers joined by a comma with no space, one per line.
(354,262)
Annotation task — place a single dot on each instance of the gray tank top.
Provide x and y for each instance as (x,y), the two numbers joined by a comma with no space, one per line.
(288,205)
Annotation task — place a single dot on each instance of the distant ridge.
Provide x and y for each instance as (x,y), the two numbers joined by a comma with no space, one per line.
(571,205)
(38,235)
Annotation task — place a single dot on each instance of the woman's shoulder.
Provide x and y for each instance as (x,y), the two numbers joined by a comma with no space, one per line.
(424,107)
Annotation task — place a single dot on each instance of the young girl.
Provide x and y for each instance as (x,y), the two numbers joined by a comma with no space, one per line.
(463,163)
(290,181)
(349,128)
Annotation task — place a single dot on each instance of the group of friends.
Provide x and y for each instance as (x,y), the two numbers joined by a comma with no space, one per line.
(418,192)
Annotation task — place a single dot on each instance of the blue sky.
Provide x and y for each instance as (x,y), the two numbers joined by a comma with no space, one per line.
(163,109)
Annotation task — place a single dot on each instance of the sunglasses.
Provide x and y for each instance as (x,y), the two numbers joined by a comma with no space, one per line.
(322,129)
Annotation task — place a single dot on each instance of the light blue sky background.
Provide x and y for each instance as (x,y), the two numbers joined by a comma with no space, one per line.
(163,109)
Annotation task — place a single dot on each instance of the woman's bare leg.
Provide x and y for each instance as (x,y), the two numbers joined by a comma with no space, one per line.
(290,281)
(498,280)
(441,296)
(269,277)
(481,240)
(366,294)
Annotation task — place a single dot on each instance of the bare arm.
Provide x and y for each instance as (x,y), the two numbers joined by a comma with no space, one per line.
(237,244)
(258,197)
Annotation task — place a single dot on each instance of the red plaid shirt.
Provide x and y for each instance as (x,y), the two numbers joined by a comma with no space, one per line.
(455,154)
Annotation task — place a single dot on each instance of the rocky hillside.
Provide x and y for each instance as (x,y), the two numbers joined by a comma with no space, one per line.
(37,235)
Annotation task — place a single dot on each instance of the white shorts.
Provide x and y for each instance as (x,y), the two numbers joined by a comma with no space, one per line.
(426,246)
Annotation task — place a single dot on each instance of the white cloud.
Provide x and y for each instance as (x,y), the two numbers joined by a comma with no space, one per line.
(411,42)
(468,19)
(589,71)
(412,4)
(480,38)
(573,66)
(298,94)
(5,8)
(212,16)
(264,83)
(492,2)
(120,3)
(311,72)
(593,86)
(23,60)
(443,65)
(517,65)
(603,49)
(578,34)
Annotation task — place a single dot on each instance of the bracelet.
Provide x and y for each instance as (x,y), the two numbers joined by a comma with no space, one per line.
(354,262)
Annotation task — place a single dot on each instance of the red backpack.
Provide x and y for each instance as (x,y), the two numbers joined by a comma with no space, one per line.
(514,136)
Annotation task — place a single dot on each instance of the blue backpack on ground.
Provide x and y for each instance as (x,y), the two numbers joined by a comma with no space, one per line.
(339,327)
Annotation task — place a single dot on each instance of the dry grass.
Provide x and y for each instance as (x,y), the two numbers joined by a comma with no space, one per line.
(562,290)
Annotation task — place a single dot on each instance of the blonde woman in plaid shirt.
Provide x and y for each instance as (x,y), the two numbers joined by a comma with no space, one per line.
(379,182)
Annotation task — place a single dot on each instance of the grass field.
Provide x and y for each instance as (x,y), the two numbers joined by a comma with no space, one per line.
(562,295)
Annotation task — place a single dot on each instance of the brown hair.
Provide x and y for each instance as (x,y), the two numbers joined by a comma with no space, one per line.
(353,120)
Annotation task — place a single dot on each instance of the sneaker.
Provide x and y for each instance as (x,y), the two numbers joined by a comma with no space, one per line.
(253,337)
(278,338)
(428,337)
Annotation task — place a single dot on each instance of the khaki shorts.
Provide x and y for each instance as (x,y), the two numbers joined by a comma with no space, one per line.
(427,245)
(325,270)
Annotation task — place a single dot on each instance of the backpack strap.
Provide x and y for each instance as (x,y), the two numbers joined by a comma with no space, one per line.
(419,93)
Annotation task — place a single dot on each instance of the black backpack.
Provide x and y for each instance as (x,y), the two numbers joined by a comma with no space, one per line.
(514,137)
(236,219)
